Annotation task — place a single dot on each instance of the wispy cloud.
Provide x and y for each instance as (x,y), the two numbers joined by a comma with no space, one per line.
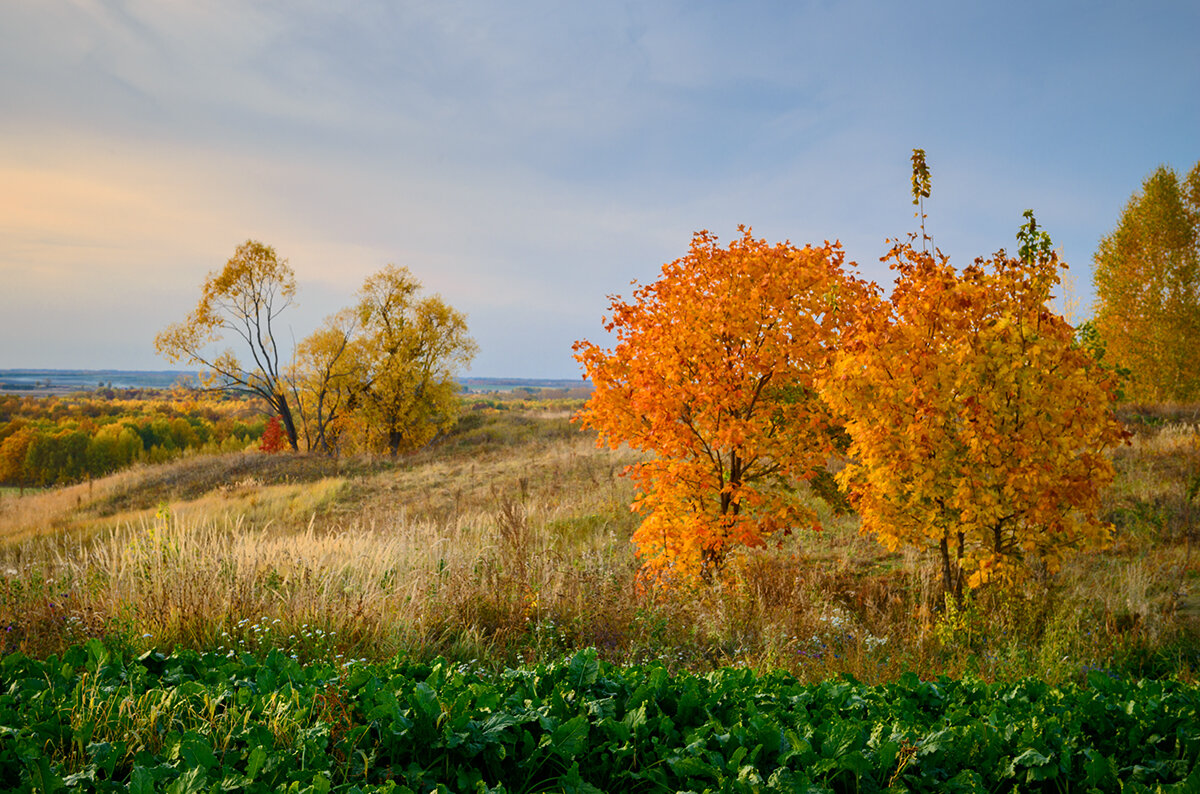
(525,159)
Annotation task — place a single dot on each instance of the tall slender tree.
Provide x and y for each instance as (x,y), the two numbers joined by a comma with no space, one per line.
(244,299)
(1147,274)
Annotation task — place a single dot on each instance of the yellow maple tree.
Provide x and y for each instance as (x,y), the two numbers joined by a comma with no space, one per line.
(978,428)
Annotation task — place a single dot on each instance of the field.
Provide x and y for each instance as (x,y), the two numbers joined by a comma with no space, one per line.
(506,546)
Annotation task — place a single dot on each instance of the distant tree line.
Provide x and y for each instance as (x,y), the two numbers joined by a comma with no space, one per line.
(53,441)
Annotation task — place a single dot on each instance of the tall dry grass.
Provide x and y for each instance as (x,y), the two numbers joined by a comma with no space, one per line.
(509,543)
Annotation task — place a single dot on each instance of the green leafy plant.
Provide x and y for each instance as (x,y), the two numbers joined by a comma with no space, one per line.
(91,721)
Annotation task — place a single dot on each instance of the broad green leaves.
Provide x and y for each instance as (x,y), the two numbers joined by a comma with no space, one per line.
(580,725)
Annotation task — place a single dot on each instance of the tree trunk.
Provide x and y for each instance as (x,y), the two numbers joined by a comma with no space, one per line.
(952,569)
(944,548)
(285,416)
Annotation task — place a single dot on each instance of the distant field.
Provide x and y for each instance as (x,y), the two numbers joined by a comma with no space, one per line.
(45,382)
(526,384)
(8,490)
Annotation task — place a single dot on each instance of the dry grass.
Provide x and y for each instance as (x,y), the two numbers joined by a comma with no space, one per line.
(510,542)
(443,550)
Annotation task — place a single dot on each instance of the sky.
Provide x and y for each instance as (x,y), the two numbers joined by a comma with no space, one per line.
(527,159)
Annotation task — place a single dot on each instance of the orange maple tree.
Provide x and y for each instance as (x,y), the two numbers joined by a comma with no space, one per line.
(978,428)
(712,373)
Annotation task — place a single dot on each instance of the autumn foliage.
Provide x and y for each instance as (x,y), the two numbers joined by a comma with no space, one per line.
(1147,273)
(59,440)
(272,438)
(407,350)
(978,428)
(712,373)
(379,376)
(244,300)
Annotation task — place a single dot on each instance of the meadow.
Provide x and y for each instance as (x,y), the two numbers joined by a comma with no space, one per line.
(507,542)
(504,547)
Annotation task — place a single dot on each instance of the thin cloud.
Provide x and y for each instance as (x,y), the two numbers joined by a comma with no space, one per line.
(527,159)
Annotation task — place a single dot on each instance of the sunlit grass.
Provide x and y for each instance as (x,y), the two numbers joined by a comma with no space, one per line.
(509,543)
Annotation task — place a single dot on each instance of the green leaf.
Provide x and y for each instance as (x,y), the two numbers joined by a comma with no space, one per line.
(570,738)
(886,754)
(255,761)
(1100,770)
(854,761)
(105,755)
(496,724)
(141,781)
(97,654)
(584,669)
(617,732)
(635,719)
(196,751)
(426,701)
(43,777)
(190,782)
(690,767)
(967,780)
(1035,766)
(573,783)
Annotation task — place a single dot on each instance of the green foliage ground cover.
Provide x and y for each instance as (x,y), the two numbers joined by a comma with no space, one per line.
(191,722)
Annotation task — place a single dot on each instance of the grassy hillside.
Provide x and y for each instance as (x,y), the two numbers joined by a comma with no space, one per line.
(508,542)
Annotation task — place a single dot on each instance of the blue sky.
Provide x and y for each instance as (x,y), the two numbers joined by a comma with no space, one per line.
(526,159)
